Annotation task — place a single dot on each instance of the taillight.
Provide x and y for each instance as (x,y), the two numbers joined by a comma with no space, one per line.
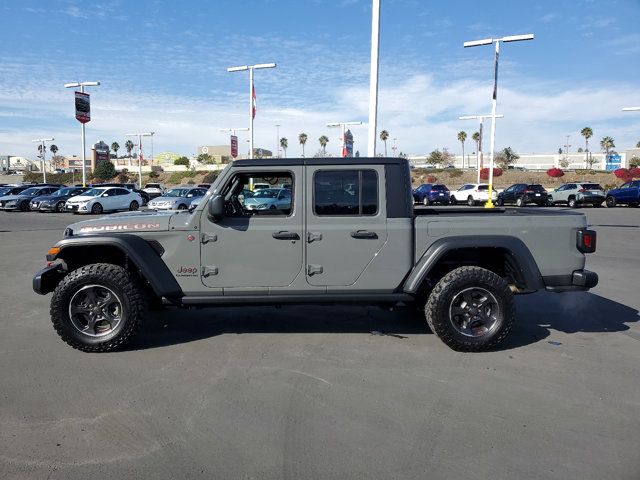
(586,241)
(582,190)
(528,191)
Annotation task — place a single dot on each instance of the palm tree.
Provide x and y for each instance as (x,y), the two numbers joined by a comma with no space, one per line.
(323,143)
(284,143)
(462,136)
(53,149)
(128,145)
(607,143)
(384,135)
(302,138)
(115,147)
(476,138)
(587,133)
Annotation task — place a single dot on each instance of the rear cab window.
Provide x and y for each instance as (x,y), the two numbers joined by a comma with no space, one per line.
(345,193)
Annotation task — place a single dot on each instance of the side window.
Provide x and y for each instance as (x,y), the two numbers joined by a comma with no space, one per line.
(625,185)
(345,192)
(122,191)
(242,199)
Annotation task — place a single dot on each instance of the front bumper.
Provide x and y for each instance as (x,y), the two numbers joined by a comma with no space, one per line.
(579,280)
(46,280)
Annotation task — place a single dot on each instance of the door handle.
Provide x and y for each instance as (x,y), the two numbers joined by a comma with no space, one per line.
(285,236)
(364,234)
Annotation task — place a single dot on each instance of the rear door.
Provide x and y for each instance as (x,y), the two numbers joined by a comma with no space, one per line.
(346,222)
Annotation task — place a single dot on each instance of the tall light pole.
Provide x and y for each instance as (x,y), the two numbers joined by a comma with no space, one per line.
(152,134)
(480,154)
(494,105)
(140,135)
(43,153)
(373,78)
(343,126)
(394,148)
(631,109)
(566,151)
(84,153)
(251,68)
(278,141)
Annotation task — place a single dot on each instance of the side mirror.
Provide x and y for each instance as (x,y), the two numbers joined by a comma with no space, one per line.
(216,208)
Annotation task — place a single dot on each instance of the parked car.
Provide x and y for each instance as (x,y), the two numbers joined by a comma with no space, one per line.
(12,190)
(55,202)
(153,190)
(269,198)
(627,193)
(129,186)
(472,194)
(431,193)
(204,185)
(521,194)
(102,199)
(577,194)
(22,201)
(260,186)
(177,198)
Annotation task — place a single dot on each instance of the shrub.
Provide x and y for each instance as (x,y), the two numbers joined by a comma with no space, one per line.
(623,174)
(457,173)
(181,161)
(104,171)
(634,162)
(190,182)
(635,172)
(584,171)
(177,177)
(123,176)
(153,174)
(555,172)
(64,178)
(210,177)
(484,173)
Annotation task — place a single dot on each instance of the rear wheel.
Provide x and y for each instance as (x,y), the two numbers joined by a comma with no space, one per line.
(500,202)
(470,309)
(60,207)
(97,308)
(520,202)
(573,203)
(96,209)
(453,200)
(133,206)
(470,201)
(425,201)
(610,202)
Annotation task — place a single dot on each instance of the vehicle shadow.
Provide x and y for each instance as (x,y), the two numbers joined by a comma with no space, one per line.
(538,315)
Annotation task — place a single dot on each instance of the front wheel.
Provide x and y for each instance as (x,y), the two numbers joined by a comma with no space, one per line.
(471,309)
(97,308)
(133,206)
(520,202)
(24,207)
(453,200)
(610,202)
(96,209)
(500,202)
(182,206)
(60,207)
(470,201)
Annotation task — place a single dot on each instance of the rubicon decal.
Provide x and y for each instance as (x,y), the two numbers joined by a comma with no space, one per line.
(121,227)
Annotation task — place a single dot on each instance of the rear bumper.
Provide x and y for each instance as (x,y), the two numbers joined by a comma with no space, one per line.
(580,280)
(46,280)
(591,199)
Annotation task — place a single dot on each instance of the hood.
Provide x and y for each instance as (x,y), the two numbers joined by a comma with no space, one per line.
(81,198)
(8,198)
(126,222)
(46,198)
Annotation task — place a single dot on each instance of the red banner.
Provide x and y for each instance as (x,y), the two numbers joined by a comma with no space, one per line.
(83,107)
(234,146)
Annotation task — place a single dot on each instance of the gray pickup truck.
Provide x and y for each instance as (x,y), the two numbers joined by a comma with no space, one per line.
(347,234)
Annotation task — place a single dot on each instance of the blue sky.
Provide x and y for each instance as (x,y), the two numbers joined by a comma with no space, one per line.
(162,65)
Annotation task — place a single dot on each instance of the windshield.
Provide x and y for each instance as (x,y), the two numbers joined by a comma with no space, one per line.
(94,192)
(439,188)
(62,192)
(152,185)
(31,191)
(536,188)
(482,188)
(176,192)
(266,193)
(4,190)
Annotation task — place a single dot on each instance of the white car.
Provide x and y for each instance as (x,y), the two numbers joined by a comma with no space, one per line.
(473,194)
(177,198)
(102,199)
(153,190)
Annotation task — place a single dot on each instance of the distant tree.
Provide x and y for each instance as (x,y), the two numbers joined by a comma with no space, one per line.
(403,155)
(323,143)
(205,158)
(638,145)
(384,136)
(634,162)
(560,151)
(53,148)
(128,146)
(284,143)
(587,133)
(580,150)
(564,162)
(506,157)
(104,171)
(441,158)
(181,161)
(302,139)
(462,136)
(357,154)
(115,147)
(607,143)
(476,138)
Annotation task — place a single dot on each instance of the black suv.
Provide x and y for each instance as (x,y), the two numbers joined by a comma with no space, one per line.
(522,193)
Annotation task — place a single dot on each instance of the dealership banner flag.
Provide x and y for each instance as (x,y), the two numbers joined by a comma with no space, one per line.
(83,107)
(253,101)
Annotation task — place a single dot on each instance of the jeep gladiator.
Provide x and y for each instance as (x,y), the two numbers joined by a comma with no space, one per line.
(325,232)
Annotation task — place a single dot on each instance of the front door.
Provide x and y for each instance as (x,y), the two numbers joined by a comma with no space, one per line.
(259,242)
(346,222)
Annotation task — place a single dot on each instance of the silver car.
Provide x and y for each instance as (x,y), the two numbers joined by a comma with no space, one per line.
(577,194)
(177,198)
(269,199)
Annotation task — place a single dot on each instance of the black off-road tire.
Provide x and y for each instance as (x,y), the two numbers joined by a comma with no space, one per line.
(117,279)
(437,309)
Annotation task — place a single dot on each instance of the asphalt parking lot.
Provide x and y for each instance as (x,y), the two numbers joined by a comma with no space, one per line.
(333,392)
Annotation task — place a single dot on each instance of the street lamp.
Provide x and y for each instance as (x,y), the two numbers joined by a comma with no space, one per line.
(373,78)
(140,135)
(44,150)
(343,126)
(631,109)
(278,141)
(489,41)
(252,97)
(84,154)
(480,153)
